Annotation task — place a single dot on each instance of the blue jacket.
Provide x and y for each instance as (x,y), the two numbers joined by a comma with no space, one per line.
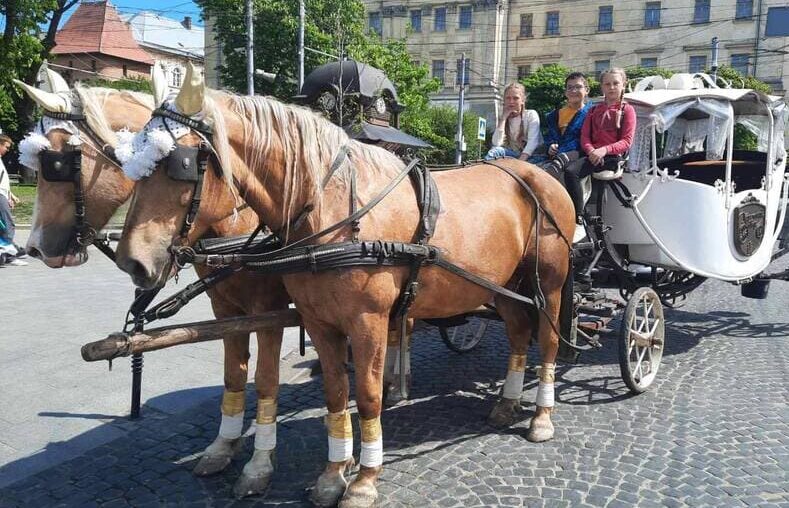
(571,139)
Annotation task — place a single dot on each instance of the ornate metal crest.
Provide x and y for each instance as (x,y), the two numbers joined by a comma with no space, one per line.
(749,220)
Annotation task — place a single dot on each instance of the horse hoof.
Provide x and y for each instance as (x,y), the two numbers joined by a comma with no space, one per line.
(251,485)
(218,456)
(539,431)
(359,495)
(505,413)
(329,489)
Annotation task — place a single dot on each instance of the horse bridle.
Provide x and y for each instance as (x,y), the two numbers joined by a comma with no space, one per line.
(66,166)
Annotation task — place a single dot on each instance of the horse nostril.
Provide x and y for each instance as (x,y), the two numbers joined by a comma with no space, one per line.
(133,268)
(34,253)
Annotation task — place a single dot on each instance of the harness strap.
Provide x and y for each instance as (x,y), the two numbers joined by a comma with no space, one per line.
(342,154)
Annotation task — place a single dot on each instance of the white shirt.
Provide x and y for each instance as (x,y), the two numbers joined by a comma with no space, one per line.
(5,181)
(531,130)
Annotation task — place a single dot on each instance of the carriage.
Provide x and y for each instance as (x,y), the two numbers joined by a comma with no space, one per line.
(704,196)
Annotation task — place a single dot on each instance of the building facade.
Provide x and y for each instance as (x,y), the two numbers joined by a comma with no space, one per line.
(507,39)
(172,43)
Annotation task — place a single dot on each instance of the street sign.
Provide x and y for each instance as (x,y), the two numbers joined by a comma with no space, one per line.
(481,128)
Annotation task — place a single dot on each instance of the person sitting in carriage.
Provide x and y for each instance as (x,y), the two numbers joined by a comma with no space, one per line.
(606,136)
(518,131)
(563,137)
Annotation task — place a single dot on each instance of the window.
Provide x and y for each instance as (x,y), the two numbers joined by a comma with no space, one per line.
(600,66)
(744,9)
(176,77)
(652,15)
(440,19)
(605,19)
(460,72)
(526,25)
(777,22)
(701,13)
(649,62)
(375,23)
(697,63)
(552,23)
(740,63)
(523,71)
(125,71)
(438,71)
(416,20)
(464,22)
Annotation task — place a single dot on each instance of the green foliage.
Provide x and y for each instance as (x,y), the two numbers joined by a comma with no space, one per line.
(21,51)
(744,139)
(438,126)
(739,81)
(330,24)
(133,84)
(545,88)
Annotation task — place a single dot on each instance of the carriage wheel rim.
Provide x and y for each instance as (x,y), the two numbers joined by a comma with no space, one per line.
(468,335)
(646,340)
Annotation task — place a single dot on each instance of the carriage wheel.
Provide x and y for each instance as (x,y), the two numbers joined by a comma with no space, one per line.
(463,338)
(642,339)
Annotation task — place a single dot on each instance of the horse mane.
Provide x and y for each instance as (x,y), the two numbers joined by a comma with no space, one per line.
(309,144)
(93,99)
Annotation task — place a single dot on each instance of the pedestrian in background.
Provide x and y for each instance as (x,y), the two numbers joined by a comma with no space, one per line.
(9,252)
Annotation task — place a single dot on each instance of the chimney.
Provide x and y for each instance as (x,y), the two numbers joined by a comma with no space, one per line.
(187,22)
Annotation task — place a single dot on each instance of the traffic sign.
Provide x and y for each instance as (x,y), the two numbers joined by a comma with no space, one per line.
(481,128)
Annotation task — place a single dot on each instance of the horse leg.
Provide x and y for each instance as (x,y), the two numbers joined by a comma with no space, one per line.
(257,472)
(219,453)
(368,341)
(332,350)
(541,427)
(392,391)
(519,330)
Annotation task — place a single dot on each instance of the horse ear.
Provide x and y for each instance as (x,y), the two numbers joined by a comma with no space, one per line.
(159,83)
(53,81)
(51,102)
(190,98)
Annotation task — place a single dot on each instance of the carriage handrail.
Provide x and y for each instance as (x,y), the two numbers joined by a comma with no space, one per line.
(638,198)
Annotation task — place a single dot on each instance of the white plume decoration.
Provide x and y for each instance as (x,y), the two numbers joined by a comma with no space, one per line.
(156,145)
(124,149)
(29,148)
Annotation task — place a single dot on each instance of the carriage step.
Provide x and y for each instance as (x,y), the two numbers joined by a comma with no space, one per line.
(602,310)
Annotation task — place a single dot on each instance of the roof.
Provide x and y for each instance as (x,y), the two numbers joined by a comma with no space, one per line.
(656,98)
(166,34)
(383,133)
(357,77)
(95,27)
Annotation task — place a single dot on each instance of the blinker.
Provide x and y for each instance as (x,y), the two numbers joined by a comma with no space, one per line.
(181,164)
(57,166)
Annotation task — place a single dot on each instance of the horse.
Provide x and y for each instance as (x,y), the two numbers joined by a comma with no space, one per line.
(282,160)
(106,188)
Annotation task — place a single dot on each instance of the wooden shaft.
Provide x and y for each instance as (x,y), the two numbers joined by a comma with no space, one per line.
(124,344)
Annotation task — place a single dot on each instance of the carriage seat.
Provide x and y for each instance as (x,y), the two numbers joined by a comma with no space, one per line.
(748,168)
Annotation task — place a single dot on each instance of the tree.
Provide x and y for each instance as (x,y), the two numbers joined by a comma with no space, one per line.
(133,84)
(330,24)
(22,49)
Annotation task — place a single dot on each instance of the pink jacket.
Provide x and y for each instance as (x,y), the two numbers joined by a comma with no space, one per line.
(599,129)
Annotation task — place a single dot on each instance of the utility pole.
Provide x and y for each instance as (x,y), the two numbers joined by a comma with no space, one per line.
(302,15)
(714,66)
(459,136)
(250,54)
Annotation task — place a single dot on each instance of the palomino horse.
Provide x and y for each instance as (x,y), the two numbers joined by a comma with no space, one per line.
(282,158)
(106,188)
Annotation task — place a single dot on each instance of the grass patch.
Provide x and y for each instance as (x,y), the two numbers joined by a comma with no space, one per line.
(23,213)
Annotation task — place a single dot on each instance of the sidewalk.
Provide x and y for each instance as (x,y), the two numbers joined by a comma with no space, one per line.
(53,405)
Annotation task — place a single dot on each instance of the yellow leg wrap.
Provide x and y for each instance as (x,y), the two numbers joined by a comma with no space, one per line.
(517,363)
(339,425)
(371,429)
(232,403)
(548,372)
(267,411)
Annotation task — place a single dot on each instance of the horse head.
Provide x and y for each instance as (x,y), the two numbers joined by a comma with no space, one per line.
(72,150)
(164,160)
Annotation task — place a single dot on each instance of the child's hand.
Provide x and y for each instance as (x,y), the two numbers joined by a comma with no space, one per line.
(553,149)
(596,156)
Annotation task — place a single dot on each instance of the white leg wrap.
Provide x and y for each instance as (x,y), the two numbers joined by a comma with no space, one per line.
(231,426)
(340,449)
(372,453)
(266,436)
(513,386)
(545,394)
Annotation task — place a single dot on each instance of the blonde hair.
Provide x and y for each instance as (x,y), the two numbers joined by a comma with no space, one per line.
(92,100)
(519,87)
(614,70)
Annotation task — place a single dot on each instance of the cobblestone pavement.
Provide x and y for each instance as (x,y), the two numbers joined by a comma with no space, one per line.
(712,430)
